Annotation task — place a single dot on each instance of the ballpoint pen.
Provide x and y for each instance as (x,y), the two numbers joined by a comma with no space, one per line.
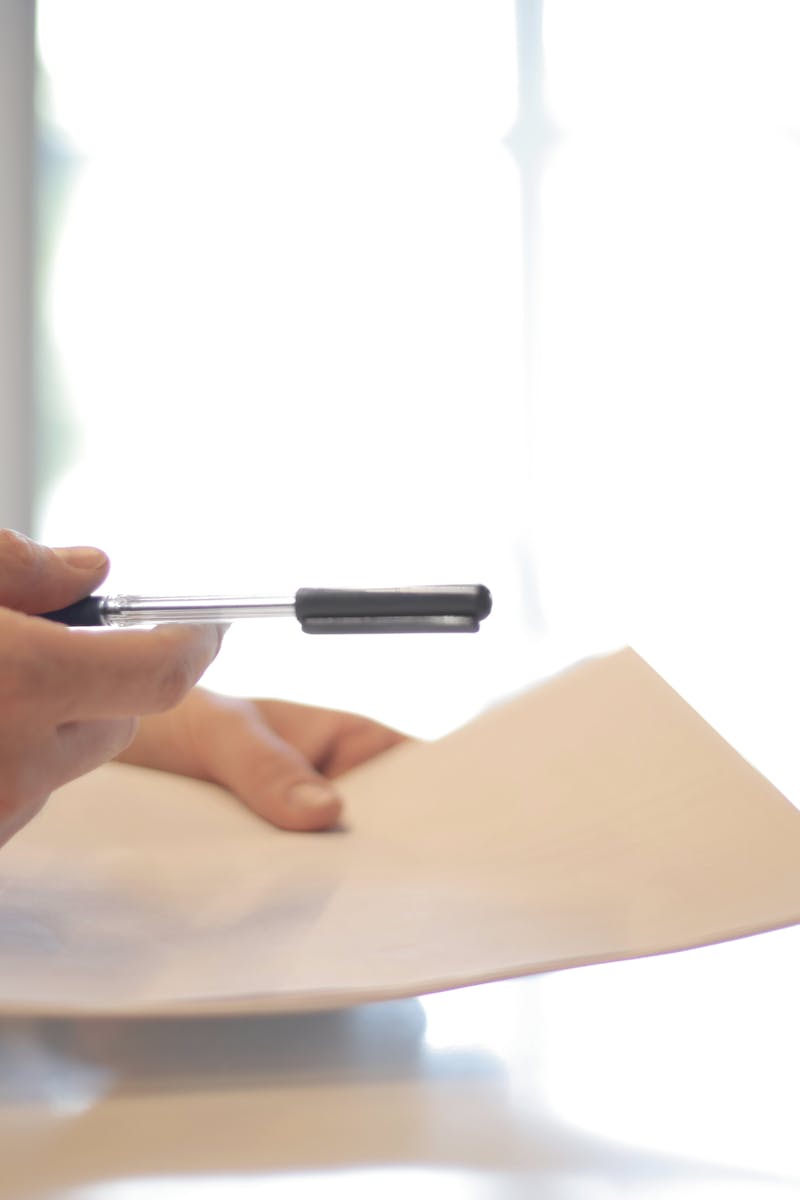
(457,609)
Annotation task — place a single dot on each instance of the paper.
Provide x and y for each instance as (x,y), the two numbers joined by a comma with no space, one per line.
(596,817)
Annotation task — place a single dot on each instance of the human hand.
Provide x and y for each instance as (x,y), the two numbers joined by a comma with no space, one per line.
(69,698)
(277,757)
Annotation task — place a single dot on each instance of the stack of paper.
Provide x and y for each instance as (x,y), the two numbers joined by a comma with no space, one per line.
(595,817)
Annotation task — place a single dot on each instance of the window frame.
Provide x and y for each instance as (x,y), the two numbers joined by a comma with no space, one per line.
(17,206)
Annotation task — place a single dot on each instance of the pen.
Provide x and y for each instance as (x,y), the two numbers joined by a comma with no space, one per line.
(457,609)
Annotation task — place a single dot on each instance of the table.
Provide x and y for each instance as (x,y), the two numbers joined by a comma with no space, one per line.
(676,1076)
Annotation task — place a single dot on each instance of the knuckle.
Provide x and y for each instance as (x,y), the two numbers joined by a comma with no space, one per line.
(101,741)
(175,681)
(16,551)
(85,745)
(12,542)
(122,734)
(185,663)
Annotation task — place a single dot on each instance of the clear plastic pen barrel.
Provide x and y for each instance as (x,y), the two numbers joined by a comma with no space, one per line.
(142,610)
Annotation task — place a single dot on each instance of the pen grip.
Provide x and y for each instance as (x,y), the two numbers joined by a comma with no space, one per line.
(88,611)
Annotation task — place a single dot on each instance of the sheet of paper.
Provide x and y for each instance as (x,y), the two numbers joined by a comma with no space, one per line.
(596,817)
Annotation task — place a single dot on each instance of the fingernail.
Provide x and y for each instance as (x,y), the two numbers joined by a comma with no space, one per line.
(312,795)
(86,557)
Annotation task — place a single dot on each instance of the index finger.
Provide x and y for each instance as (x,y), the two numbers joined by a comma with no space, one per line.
(333,740)
(97,673)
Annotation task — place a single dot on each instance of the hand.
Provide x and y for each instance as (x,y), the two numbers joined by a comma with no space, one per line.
(69,698)
(276,757)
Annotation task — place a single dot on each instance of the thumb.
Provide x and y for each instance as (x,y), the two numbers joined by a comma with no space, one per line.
(36,579)
(267,774)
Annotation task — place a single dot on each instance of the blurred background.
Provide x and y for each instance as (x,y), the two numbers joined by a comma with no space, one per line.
(421,292)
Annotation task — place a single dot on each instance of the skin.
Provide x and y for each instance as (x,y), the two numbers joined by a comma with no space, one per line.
(71,699)
(277,758)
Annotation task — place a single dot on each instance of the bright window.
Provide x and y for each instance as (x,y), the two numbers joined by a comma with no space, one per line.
(434,291)
(283,310)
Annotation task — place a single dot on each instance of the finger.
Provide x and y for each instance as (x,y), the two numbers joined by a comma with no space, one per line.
(36,579)
(360,741)
(271,777)
(66,753)
(100,673)
(83,745)
(333,741)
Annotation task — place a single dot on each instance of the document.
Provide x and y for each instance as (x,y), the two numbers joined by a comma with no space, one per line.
(594,817)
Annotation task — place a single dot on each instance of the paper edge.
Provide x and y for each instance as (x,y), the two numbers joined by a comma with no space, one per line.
(330,1000)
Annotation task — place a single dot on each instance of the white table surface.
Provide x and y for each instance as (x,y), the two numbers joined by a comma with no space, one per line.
(668,1077)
